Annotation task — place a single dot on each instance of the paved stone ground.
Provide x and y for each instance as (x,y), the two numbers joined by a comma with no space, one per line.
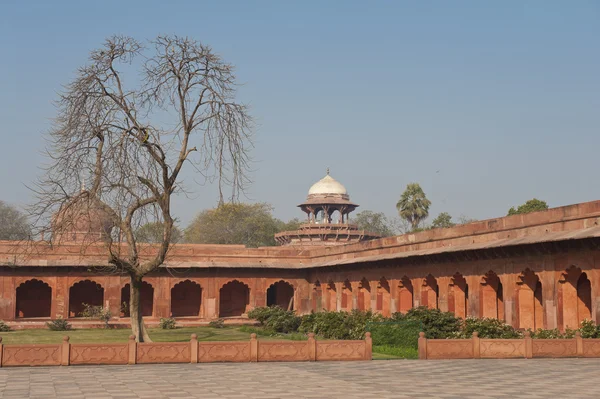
(537,378)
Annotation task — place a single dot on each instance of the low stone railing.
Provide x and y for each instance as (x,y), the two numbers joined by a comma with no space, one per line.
(184,352)
(483,348)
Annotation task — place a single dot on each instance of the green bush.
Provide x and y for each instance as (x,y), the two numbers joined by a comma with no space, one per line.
(589,329)
(339,325)
(167,323)
(398,334)
(4,327)
(276,318)
(96,312)
(487,328)
(58,325)
(262,314)
(219,323)
(435,323)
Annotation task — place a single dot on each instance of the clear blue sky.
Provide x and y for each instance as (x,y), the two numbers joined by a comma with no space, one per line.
(485,104)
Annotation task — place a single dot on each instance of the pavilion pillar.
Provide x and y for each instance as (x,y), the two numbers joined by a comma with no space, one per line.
(443,287)
(162,297)
(474,284)
(549,298)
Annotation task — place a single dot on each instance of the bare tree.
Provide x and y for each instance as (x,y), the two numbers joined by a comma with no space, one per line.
(127,125)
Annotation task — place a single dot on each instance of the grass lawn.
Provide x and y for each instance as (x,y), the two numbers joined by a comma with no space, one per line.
(93,335)
(228,333)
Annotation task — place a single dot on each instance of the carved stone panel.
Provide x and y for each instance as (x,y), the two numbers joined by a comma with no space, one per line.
(283,351)
(31,355)
(163,352)
(99,354)
(449,349)
(341,350)
(223,352)
(501,348)
(591,347)
(554,348)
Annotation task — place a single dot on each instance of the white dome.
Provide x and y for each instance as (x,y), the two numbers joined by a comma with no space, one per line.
(327,185)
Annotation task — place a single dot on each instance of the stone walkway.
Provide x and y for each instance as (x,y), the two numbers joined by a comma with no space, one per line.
(536,378)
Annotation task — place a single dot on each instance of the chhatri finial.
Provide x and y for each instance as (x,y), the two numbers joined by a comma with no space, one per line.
(328,171)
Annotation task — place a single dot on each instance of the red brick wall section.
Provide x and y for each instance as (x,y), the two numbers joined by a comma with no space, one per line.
(184,352)
(526,348)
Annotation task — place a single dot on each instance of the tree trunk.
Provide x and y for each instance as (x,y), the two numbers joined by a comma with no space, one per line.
(135,310)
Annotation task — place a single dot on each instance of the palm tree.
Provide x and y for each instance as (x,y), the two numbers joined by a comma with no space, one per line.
(413,205)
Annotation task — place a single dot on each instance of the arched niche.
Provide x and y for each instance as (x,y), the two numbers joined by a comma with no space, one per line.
(186,299)
(234,299)
(281,294)
(33,299)
(146,299)
(84,292)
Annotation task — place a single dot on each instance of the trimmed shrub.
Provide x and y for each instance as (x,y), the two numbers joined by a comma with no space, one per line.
(403,333)
(4,327)
(589,329)
(262,314)
(58,325)
(276,319)
(435,323)
(167,323)
(487,328)
(96,312)
(339,325)
(219,323)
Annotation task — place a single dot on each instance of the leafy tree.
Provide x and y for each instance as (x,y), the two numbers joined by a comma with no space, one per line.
(375,222)
(252,225)
(533,205)
(292,225)
(462,219)
(13,223)
(413,205)
(442,220)
(153,233)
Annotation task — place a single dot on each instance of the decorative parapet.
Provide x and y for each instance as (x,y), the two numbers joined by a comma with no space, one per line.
(525,348)
(184,352)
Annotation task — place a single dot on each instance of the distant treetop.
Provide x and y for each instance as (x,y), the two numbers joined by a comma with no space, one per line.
(533,205)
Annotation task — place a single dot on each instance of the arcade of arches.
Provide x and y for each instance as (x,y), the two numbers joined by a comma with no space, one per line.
(540,270)
(532,298)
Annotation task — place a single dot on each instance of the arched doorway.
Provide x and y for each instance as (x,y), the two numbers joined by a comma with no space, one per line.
(186,298)
(84,292)
(347,296)
(405,295)
(34,299)
(492,296)
(364,295)
(458,296)
(430,292)
(281,294)
(584,298)
(146,299)
(234,299)
(530,305)
(575,290)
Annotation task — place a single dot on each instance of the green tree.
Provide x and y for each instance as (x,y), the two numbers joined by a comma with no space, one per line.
(374,222)
(13,223)
(153,233)
(293,224)
(442,220)
(252,225)
(533,205)
(413,205)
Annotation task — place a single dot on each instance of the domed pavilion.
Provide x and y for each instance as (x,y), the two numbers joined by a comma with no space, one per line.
(328,208)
